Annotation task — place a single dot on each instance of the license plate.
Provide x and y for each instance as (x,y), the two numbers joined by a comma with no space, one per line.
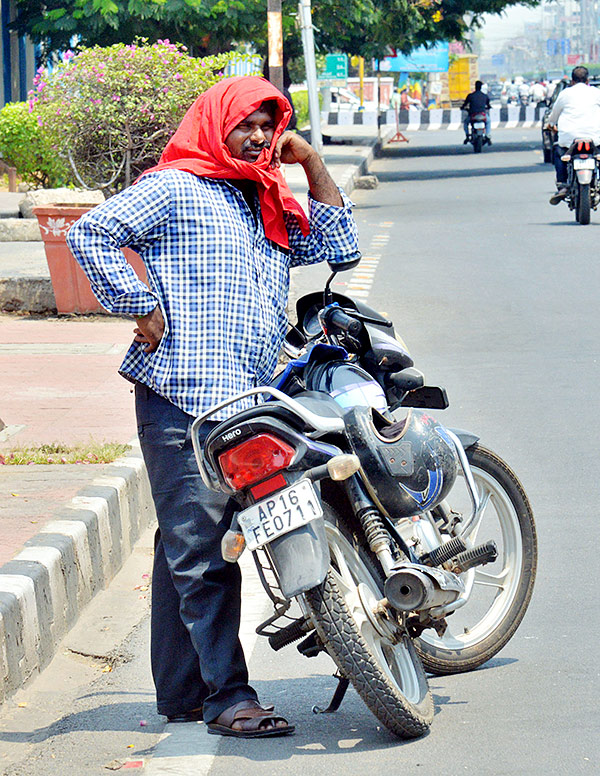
(283,512)
(479,125)
(584,164)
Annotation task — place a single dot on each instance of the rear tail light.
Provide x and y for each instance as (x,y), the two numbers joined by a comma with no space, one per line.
(254,460)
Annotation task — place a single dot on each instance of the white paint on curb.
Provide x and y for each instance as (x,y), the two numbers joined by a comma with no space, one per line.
(49,557)
(99,507)
(23,589)
(120,485)
(77,531)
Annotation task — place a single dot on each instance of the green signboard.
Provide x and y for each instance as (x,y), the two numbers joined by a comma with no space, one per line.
(336,67)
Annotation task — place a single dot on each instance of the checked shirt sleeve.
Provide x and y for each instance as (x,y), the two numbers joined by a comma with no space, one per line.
(333,234)
(133,217)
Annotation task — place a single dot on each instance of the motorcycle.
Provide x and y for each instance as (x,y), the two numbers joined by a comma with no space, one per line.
(477,135)
(393,543)
(582,178)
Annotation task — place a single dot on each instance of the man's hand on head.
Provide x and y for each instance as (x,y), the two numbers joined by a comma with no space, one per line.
(150,329)
(292,148)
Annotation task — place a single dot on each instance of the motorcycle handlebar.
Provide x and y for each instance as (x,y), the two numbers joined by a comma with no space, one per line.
(338,318)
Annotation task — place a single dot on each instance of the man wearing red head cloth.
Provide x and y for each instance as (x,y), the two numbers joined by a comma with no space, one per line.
(218,230)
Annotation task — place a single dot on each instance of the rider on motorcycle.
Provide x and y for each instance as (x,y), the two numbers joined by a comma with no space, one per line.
(477,102)
(576,112)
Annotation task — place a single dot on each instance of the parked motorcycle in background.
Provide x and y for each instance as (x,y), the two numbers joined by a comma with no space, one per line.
(382,537)
(582,178)
(477,135)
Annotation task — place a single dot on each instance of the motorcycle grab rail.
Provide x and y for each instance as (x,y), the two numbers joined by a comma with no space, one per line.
(471,486)
(324,425)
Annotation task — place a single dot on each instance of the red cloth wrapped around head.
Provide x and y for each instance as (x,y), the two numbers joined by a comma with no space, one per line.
(198,146)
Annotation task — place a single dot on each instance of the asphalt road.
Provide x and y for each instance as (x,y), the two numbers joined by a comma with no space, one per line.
(495,293)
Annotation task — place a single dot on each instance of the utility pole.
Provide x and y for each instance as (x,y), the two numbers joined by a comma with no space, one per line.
(275,35)
(308,45)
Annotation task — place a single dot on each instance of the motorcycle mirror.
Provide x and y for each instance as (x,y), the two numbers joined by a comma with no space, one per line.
(327,293)
(342,266)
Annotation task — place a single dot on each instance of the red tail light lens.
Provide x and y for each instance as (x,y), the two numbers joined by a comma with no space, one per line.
(254,460)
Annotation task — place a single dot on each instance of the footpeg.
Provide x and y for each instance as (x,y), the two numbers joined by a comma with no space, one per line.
(311,646)
(477,556)
(445,552)
(292,632)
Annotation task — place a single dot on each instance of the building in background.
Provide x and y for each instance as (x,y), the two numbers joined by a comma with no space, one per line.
(18,59)
(550,39)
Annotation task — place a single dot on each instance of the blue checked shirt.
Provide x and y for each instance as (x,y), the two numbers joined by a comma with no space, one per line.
(221,285)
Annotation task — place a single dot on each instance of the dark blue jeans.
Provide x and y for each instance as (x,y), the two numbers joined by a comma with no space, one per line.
(197,659)
(559,166)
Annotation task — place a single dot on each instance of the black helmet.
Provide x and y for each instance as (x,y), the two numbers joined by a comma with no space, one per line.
(409,466)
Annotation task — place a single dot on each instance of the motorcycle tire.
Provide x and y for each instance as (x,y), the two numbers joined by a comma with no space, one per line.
(547,156)
(582,211)
(477,144)
(501,591)
(376,655)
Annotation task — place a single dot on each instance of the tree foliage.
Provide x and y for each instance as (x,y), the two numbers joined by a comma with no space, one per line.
(363,27)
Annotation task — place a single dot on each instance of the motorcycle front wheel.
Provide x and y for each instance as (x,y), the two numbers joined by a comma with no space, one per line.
(373,651)
(500,592)
(582,211)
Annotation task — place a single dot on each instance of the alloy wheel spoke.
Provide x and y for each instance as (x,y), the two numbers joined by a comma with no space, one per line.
(491,580)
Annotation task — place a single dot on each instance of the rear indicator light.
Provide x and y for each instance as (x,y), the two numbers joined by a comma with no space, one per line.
(254,460)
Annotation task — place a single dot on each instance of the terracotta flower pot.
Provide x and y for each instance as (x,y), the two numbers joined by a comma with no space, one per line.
(72,289)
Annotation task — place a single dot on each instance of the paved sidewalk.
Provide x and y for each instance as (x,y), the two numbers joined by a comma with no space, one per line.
(65,529)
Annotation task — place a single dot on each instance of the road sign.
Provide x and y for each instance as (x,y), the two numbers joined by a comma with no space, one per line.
(336,66)
(420,60)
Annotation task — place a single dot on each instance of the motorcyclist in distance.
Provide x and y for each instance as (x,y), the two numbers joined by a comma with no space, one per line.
(477,102)
(576,114)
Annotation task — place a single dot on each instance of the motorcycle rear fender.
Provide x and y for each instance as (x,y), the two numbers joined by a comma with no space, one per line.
(467,438)
(584,176)
(300,558)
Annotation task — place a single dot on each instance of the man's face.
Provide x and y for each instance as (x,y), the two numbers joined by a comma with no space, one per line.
(251,135)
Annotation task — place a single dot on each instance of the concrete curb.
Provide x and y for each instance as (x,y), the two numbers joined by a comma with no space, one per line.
(46,586)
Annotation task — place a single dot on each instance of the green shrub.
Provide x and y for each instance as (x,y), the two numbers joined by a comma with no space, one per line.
(24,145)
(300,99)
(110,110)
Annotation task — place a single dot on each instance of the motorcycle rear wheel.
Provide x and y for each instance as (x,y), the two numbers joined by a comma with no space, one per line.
(477,143)
(501,591)
(375,654)
(582,212)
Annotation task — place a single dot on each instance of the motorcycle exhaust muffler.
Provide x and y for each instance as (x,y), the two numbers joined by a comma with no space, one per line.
(413,587)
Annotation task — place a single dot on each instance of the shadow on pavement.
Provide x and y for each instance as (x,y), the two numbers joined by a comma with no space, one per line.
(482,172)
(459,149)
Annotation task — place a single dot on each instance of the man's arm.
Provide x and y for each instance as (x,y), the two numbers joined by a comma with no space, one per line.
(291,148)
(556,110)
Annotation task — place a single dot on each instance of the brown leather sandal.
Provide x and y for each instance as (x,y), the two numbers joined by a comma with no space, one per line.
(256,721)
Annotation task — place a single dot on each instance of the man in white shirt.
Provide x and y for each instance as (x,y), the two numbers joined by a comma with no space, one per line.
(576,112)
